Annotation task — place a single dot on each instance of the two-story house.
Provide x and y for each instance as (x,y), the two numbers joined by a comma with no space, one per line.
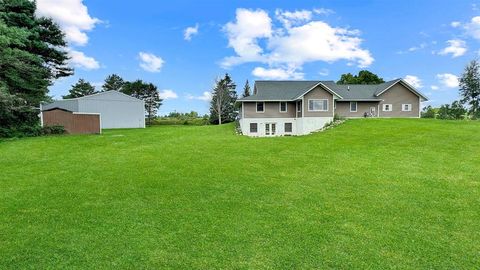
(279,108)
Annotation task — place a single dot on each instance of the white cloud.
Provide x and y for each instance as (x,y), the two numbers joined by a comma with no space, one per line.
(289,18)
(473,27)
(276,73)
(190,32)
(168,94)
(323,11)
(79,59)
(71,15)
(448,80)
(434,87)
(413,81)
(150,62)
(206,96)
(243,35)
(457,47)
(324,72)
(455,24)
(296,40)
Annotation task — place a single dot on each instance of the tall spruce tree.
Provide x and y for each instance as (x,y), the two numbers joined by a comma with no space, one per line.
(32,55)
(222,105)
(246,89)
(80,89)
(469,84)
(113,82)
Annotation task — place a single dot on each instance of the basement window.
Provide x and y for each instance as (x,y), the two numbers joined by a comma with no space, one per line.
(288,127)
(253,127)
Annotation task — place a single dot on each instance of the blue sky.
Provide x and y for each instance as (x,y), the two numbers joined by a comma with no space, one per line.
(426,42)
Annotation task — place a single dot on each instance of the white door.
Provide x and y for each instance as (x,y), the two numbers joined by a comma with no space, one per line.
(270,129)
(372,111)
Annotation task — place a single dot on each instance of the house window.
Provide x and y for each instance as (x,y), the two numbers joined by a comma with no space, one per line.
(260,106)
(387,107)
(253,127)
(353,106)
(318,105)
(299,106)
(288,127)
(283,106)
(406,107)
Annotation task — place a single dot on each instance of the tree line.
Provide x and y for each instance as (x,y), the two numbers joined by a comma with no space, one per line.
(468,107)
(148,92)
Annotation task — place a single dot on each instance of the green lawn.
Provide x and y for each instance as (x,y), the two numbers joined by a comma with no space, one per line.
(371,193)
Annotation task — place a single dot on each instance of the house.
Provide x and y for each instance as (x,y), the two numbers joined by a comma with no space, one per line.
(116,109)
(279,108)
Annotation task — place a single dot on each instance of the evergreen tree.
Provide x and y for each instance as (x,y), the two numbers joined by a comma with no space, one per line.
(470,87)
(80,89)
(147,92)
(363,77)
(113,82)
(32,55)
(222,105)
(152,99)
(246,89)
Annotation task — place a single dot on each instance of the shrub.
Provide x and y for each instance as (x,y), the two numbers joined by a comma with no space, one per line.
(53,130)
(428,112)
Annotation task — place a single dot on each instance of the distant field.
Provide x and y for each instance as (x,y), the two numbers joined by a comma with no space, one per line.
(371,193)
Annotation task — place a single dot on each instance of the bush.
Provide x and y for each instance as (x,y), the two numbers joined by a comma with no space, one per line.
(180,121)
(428,112)
(53,130)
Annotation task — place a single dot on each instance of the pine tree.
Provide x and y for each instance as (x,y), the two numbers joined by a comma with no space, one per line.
(246,89)
(113,82)
(222,105)
(470,87)
(80,89)
(32,55)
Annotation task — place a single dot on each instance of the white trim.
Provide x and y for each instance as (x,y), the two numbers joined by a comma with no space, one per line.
(303,107)
(256,107)
(243,111)
(94,113)
(419,107)
(378,110)
(409,105)
(314,99)
(359,99)
(324,86)
(356,106)
(390,105)
(250,127)
(280,107)
(41,115)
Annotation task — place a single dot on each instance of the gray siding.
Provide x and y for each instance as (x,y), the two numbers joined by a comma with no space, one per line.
(271,110)
(343,108)
(318,93)
(68,104)
(398,95)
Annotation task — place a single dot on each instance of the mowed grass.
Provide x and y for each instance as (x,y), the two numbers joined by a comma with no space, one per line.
(371,193)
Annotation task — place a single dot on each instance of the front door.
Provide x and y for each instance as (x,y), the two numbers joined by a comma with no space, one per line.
(372,111)
(270,129)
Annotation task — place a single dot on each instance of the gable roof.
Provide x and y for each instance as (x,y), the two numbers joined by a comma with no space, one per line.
(283,90)
(292,90)
(110,92)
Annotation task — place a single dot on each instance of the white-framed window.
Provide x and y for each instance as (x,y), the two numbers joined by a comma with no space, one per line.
(288,127)
(353,106)
(318,105)
(299,106)
(253,127)
(406,107)
(387,107)
(260,106)
(283,107)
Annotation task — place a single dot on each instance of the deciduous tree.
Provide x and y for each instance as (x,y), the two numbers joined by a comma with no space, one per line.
(470,87)
(363,77)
